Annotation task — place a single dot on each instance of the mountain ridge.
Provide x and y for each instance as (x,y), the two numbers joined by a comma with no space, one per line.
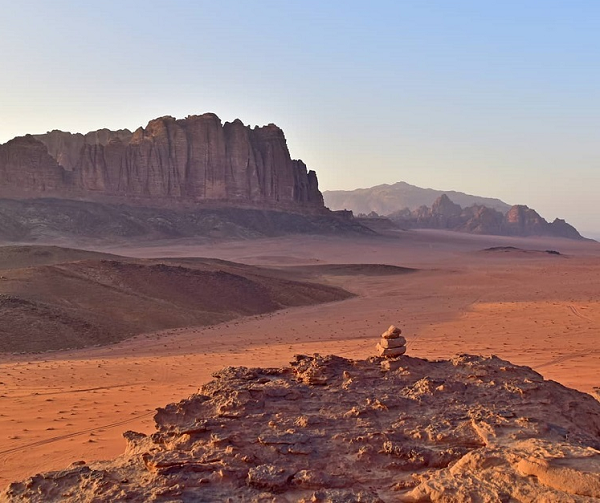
(407,206)
(519,220)
(387,198)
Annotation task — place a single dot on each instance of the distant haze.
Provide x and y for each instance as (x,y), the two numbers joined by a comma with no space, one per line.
(499,99)
(385,199)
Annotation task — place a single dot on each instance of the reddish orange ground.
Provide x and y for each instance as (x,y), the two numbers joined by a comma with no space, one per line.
(539,310)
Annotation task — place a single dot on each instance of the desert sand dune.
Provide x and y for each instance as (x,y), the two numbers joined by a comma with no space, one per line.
(459,301)
(79,303)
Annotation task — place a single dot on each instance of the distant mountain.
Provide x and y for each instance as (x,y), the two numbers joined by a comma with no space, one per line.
(386,199)
(519,220)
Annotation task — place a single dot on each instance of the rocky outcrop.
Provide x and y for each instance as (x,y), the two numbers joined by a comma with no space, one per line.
(482,220)
(561,228)
(27,167)
(192,160)
(443,214)
(520,220)
(331,429)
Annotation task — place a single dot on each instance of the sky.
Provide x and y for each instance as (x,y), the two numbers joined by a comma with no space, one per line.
(492,98)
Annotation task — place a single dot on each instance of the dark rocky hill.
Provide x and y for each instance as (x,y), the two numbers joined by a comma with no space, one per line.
(54,220)
(173,178)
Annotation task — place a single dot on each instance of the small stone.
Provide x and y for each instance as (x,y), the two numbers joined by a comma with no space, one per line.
(391,333)
(391,364)
(391,351)
(314,378)
(270,477)
(392,343)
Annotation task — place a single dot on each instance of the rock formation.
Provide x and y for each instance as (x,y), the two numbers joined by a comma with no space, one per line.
(192,160)
(518,221)
(391,344)
(329,429)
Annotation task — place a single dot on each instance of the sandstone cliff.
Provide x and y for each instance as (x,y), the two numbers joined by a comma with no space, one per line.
(192,160)
(520,220)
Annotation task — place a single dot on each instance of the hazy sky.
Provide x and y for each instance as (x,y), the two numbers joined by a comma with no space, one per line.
(494,98)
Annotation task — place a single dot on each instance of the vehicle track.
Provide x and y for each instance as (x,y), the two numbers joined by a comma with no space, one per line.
(81,390)
(74,434)
(576,312)
(566,357)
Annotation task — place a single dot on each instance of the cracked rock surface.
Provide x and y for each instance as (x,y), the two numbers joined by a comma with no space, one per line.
(329,429)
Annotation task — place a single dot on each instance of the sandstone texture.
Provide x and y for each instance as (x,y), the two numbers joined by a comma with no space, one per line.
(329,429)
(193,160)
(519,220)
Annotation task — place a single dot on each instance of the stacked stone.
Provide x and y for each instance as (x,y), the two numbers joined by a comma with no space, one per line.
(391,344)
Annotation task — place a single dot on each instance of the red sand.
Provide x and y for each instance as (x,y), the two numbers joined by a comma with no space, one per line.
(539,310)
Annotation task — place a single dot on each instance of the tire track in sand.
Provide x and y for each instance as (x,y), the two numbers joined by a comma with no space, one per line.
(74,434)
(576,312)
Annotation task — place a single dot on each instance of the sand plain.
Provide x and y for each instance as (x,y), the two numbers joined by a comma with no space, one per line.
(530,307)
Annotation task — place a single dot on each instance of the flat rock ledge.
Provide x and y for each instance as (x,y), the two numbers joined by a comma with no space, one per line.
(329,429)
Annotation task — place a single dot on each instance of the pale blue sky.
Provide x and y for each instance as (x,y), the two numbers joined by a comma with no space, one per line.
(495,98)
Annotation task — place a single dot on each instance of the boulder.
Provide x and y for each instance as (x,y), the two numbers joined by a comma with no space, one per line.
(392,343)
(390,352)
(391,333)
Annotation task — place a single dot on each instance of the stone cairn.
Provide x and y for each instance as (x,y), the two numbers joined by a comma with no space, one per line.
(391,346)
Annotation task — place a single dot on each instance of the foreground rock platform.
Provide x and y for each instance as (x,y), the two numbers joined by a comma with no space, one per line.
(329,429)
